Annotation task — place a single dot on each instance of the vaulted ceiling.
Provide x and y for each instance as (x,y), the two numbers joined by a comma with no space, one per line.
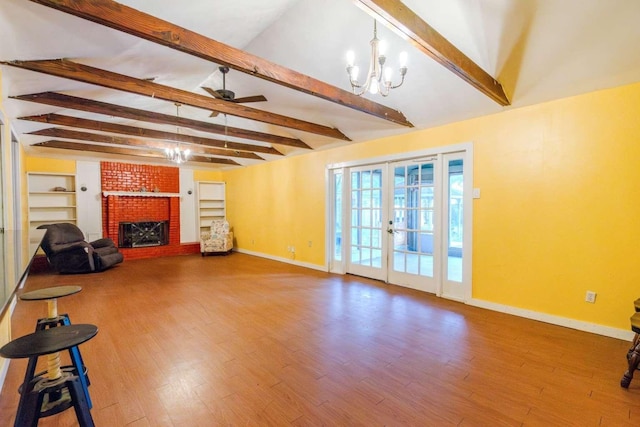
(113,95)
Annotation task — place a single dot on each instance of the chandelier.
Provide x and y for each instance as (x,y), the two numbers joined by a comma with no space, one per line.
(379,77)
(177,154)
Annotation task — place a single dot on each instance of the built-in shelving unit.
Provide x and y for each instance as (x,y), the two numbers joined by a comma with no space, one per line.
(211,203)
(52,198)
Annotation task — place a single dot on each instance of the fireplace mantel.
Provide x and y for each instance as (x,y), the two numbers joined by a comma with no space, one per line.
(138,194)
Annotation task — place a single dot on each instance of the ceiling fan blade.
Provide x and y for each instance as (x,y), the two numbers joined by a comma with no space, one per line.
(214,114)
(212,92)
(256,98)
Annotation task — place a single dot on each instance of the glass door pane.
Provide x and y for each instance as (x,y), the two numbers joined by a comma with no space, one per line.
(337,215)
(413,225)
(455,221)
(455,285)
(366,219)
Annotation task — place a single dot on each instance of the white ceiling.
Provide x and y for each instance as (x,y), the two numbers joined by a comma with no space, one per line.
(539,49)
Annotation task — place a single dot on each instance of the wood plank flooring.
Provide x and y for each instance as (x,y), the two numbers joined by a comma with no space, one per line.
(244,341)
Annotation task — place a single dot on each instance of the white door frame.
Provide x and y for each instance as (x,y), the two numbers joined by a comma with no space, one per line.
(465,150)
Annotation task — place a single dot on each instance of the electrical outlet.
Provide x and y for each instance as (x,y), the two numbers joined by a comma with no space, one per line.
(590,297)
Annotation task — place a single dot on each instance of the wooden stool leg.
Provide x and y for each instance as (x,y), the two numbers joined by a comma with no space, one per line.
(634,361)
(634,343)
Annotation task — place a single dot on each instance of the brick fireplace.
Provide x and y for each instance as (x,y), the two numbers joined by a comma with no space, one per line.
(142,193)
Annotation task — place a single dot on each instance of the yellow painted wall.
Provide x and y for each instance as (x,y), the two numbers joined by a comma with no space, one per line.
(279,204)
(558,214)
(45,164)
(205,175)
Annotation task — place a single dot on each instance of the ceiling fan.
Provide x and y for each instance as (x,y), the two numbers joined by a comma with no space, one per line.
(227,95)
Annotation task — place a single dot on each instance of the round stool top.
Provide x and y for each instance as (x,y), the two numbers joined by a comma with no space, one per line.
(48,341)
(50,293)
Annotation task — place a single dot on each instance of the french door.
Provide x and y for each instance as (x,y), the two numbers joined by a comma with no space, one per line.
(405,223)
(367,243)
(412,230)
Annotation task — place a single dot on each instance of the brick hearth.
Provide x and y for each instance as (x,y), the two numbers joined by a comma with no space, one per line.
(123,177)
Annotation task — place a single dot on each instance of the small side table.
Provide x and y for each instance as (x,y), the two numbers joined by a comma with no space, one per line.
(65,385)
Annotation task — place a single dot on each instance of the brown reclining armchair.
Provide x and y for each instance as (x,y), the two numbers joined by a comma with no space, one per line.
(68,252)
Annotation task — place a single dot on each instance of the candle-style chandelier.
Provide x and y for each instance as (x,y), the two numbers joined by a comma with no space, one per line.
(177,154)
(379,77)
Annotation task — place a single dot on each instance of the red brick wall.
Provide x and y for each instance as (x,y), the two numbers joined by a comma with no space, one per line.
(116,209)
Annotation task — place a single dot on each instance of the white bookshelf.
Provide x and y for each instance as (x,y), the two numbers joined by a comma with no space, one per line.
(211,203)
(51,199)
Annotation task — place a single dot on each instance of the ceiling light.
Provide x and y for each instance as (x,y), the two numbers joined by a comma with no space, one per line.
(379,77)
(177,154)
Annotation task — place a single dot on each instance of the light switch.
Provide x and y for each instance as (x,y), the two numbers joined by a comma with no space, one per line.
(476,193)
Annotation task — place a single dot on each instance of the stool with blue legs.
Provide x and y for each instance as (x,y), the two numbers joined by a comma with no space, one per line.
(52,320)
(56,390)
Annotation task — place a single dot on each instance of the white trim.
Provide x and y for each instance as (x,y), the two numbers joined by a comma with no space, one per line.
(467,266)
(282,259)
(608,331)
(139,194)
(409,155)
(8,315)
(328,224)
(3,371)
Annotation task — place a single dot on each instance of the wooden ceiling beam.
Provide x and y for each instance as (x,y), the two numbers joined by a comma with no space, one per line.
(132,142)
(92,75)
(75,122)
(66,145)
(410,26)
(140,24)
(98,107)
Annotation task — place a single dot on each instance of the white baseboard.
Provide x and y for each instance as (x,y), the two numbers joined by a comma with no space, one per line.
(282,259)
(5,362)
(608,331)
(3,371)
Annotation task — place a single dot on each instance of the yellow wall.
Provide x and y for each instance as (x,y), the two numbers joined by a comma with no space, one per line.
(279,204)
(204,175)
(557,217)
(45,164)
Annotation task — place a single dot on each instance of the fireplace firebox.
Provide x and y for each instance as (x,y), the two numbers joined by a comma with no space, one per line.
(143,234)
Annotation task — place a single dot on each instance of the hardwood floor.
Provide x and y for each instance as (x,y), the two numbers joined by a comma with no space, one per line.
(240,340)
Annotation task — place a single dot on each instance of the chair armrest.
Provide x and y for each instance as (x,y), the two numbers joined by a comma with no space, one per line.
(103,243)
(70,247)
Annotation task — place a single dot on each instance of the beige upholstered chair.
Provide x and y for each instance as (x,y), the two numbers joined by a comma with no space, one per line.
(218,240)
